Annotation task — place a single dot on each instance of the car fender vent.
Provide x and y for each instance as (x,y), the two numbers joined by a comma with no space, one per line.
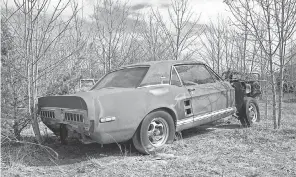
(188,108)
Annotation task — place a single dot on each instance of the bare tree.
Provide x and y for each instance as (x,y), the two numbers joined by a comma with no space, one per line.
(36,35)
(154,43)
(278,20)
(185,31)
(285,17)
(226,46)
(266,42)
(214,42)
(115,32)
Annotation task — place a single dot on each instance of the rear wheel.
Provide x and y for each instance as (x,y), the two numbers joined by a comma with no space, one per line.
(156,129)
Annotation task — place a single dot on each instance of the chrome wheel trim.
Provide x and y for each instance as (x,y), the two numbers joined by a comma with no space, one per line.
(158,132)
(253,112)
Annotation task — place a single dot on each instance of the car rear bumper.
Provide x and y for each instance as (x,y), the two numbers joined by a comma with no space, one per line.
(79,126)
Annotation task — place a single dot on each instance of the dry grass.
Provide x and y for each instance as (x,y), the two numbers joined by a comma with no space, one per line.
(223,149)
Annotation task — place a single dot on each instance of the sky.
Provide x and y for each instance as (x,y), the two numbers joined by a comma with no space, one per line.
(208,9)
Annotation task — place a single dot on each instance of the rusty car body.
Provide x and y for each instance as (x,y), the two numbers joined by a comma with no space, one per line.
(146,102)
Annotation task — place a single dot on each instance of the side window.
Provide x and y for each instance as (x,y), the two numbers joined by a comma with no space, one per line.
(174,78)
(194,74)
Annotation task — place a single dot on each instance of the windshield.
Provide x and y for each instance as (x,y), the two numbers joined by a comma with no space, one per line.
(124,78)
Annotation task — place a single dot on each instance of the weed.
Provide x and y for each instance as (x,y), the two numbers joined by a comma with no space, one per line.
(217,150)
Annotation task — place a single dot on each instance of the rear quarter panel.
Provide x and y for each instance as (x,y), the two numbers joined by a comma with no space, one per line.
(131,107)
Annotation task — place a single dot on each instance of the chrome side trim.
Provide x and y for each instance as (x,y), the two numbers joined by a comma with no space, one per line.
(205,116)
(213,114)
(185,121)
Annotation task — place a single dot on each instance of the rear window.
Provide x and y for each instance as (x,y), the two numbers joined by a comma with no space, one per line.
(123,78)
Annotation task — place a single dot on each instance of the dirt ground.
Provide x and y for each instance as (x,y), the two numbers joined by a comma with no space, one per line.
(220,149)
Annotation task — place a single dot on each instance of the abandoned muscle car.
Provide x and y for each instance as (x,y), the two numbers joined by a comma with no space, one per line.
(148,103)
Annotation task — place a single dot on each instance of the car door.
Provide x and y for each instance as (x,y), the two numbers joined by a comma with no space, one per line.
(207,93)
(223,91)
(183,98)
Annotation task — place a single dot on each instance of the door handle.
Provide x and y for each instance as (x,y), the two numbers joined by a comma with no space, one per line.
(191,89)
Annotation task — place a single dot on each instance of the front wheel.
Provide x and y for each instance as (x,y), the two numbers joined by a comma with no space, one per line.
(250,112)
(156,129)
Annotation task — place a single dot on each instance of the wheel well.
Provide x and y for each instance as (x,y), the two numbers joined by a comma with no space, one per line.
(168,110)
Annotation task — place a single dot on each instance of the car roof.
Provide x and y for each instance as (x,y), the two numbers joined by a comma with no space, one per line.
(158,70)
(168,62)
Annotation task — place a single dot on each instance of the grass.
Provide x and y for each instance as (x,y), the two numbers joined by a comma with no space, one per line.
(222,149)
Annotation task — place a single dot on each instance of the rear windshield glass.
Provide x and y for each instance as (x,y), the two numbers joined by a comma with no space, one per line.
(124,78)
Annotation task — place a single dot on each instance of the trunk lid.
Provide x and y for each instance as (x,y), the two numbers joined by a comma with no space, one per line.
(83,101)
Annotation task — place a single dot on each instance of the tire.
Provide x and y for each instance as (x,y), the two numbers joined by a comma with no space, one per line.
(242,120)
(250,112)
(156,129)
(63,134)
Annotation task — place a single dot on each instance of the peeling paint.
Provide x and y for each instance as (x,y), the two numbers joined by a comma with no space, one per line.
(160,91)
(181,96)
